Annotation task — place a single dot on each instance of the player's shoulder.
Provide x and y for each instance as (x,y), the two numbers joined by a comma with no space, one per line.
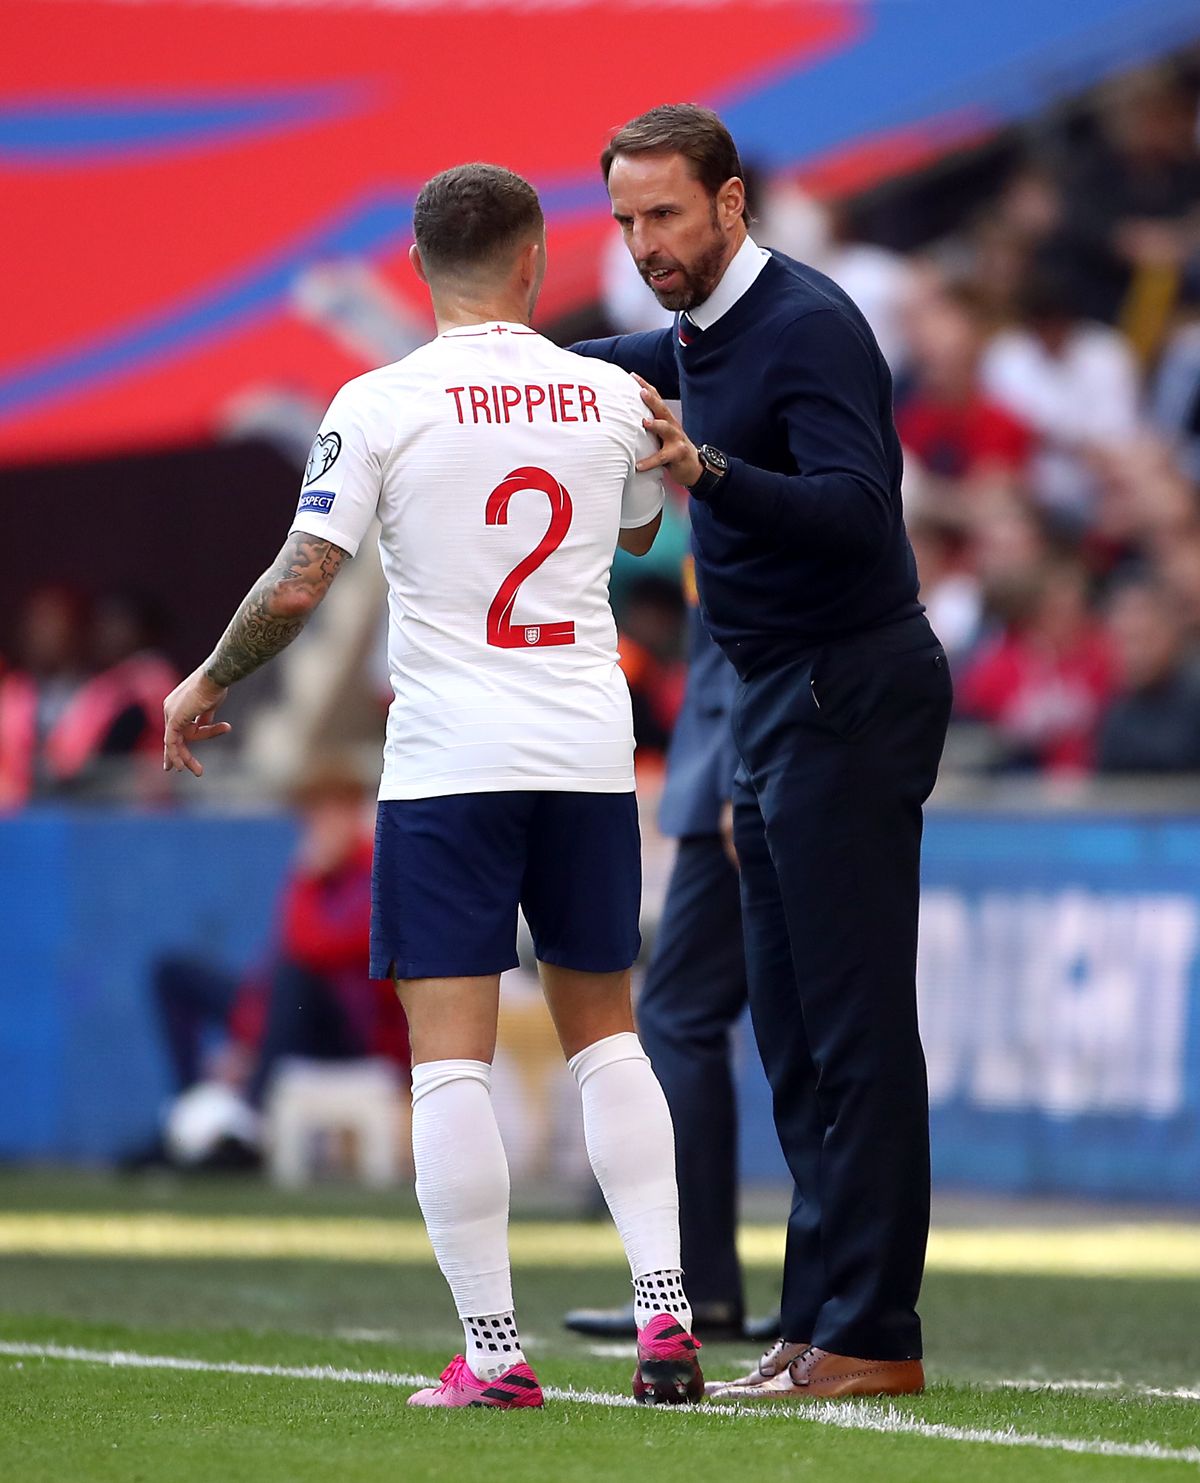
(384,379)
(372,396)
(605,376)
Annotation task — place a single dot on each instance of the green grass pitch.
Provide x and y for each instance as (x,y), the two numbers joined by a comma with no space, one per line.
(215,1332)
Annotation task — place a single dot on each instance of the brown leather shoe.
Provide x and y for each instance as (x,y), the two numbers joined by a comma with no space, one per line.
(817,1375)
(774,1363)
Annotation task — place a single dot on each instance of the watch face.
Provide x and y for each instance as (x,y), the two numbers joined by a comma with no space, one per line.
(714,458)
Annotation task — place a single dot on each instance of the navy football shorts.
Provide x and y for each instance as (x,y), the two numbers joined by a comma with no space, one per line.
(450,872)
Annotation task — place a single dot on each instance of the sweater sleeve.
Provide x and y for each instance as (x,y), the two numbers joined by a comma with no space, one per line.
(824,385)
(651,354)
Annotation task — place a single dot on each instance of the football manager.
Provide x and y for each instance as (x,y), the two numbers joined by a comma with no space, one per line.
(807,582)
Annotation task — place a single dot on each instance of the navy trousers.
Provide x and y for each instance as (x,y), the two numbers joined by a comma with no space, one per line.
(840,749)
(695,989)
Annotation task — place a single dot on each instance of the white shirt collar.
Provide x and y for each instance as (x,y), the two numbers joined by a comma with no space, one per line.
(744,267)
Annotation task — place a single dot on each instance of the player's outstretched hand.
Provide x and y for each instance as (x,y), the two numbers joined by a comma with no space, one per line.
(188,718)
(678,453)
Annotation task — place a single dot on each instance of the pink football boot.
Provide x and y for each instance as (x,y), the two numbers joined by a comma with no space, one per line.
(460,1386)
(668,1373)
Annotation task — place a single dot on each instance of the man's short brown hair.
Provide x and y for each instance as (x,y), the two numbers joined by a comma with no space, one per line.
(470,216)
(680,128)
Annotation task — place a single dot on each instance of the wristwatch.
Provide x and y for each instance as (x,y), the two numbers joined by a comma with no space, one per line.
(713,468)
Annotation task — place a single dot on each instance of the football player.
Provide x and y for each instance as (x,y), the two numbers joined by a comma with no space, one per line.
(504,472)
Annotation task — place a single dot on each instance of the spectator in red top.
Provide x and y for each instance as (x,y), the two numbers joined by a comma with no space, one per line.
(1044,681)
(107,739)
(945,420)
(83,716)
(313,997)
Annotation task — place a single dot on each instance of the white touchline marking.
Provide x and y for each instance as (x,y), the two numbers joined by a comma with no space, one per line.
(1180,1393)
(369,1336)
(126,1359)
(850,1415)
(871,1416)
(613,1350)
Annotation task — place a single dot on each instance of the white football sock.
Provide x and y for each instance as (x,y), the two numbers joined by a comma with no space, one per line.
(462,1188)
(631,1145)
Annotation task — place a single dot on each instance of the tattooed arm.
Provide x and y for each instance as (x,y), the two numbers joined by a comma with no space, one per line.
(275,609)
(271,615)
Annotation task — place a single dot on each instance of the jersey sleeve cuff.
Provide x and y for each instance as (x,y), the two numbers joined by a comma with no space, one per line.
(326,533)
(643,519)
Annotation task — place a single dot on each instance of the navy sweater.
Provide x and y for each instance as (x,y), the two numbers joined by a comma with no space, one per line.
(804,541)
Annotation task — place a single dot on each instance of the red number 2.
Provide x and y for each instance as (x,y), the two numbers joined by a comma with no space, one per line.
(501,631)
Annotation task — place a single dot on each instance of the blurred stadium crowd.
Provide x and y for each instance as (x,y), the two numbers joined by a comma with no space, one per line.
(1044,338)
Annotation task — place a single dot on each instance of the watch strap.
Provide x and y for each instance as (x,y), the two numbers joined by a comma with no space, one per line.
(708,483)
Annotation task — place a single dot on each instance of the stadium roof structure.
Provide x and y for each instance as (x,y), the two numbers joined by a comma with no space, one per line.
(171,169)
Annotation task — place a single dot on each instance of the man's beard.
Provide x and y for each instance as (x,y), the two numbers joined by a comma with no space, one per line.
(698,280)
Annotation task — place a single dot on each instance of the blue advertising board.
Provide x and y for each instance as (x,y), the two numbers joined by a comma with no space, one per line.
(1059,982)
(1058,978)
(1059,988)
(89,901)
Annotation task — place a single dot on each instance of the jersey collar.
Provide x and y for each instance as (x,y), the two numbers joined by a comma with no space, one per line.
(498,329)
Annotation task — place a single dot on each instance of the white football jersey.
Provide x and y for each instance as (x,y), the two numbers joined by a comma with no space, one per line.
(502,470)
